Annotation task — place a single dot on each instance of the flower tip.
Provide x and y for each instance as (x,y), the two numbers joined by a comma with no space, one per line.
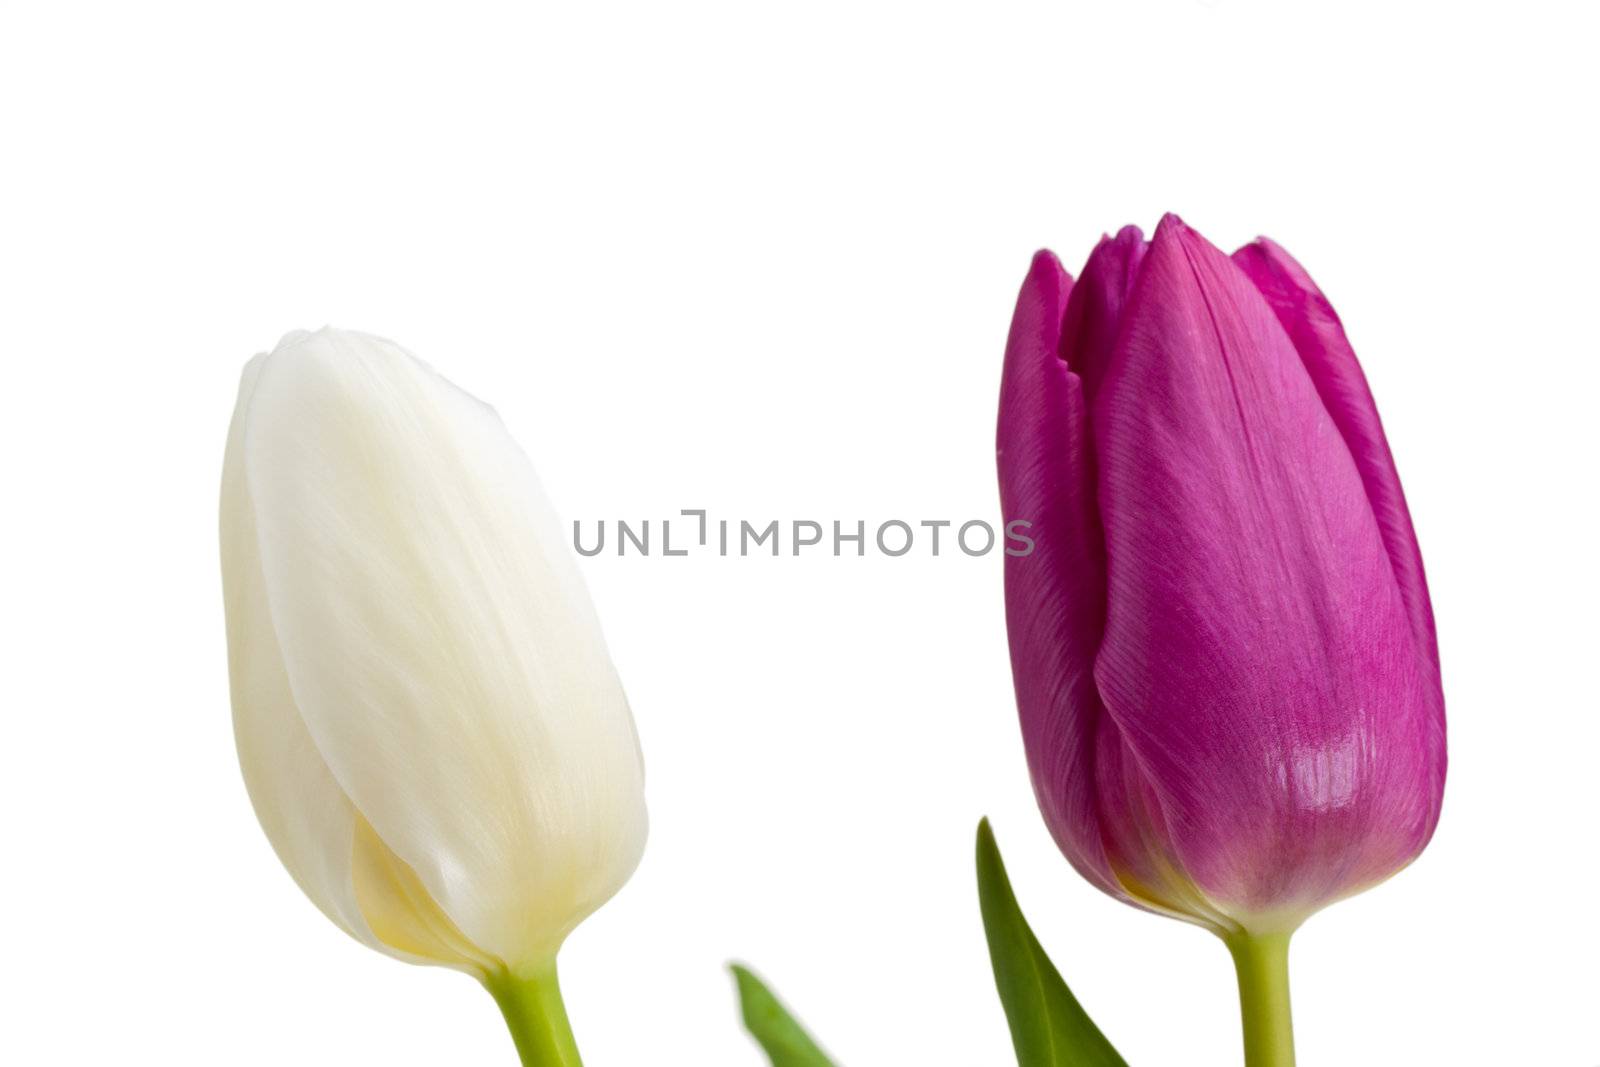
(1045,263)
(1120,255)
(1266,249)
(297,338)
(1128,235)
(1173,232)
(1270,267)
(1171,221)
(1046,284)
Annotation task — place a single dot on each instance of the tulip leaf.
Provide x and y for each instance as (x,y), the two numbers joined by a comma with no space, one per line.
(1049,1028)
(784,1040)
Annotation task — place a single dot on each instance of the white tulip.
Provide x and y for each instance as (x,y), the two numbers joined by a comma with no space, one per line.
(430,727)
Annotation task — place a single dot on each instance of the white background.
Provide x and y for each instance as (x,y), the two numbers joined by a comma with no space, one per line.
(760,259)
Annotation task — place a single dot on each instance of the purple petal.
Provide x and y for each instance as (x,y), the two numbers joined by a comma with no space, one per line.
(1054,595)
(1257,656)
(1314,328)
(1094,311)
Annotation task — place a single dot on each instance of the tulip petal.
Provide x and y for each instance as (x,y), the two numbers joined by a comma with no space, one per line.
(402,914)
(1055,594)
(1318,335)
(1257,656)
(441,647)
(306,816)
(1094,310)
(1138,841)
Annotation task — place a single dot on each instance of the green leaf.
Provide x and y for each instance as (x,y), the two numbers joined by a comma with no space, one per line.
(786,1042)
(1048,1026)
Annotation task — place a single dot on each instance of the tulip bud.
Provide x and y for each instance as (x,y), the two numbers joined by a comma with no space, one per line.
(1222,643)
(430,727)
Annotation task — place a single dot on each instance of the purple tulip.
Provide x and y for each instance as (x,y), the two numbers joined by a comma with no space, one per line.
(1222,643)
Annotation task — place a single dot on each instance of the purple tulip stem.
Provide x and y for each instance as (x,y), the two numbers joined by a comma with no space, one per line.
(1263,966)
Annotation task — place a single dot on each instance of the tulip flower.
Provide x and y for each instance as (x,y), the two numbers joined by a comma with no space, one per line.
(429,724)
(1222,644)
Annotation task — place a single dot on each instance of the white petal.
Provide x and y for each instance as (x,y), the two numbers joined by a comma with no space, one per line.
(328,848)
(305,814)
(442,649)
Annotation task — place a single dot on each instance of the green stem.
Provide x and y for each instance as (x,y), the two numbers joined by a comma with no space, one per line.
(1263,966)
(537,1017)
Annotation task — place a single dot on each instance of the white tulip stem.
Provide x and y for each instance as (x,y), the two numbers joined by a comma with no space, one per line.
(536,1016)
